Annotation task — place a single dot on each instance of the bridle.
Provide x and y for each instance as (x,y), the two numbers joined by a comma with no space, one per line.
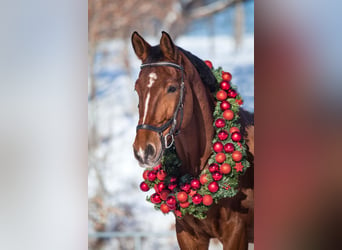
(173,121)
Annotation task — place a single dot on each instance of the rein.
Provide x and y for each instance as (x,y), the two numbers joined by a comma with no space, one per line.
(173,121)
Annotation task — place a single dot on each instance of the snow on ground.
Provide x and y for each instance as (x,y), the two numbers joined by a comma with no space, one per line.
(116,117)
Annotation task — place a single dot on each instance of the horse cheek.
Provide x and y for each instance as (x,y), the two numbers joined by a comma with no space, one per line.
(188,108)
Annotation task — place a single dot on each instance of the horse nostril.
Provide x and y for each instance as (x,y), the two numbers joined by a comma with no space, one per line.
(149,151)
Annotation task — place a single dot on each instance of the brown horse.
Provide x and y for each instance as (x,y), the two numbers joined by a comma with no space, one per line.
(176,106)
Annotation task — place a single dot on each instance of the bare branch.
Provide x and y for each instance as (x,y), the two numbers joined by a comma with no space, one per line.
(212,8)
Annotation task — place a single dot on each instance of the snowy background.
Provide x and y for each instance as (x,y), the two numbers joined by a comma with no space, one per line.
(115,200)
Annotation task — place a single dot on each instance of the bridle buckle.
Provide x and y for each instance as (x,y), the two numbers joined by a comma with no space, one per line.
(166,137)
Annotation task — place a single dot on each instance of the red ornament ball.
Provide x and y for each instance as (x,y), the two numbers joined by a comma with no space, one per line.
(164,208)
(234,129)
(226,76)
(220,157)
(195,184)
(182,196)
(224,105)
(151,175)
(144,187)
(203,179)
(160,187)
(220,123)
(213,186)
(209,64)
(171,201)
(221,95)
(145,174)
(184,204)
(225,168)
(156,168)
(218,147)
(224,85)
(236,136)
(222,135)
(207,200)
(197,199)
(155,198)
(217,176)
(228,115)
(213,167)
(161,174)
(164,194)
(229,147)
(237,156)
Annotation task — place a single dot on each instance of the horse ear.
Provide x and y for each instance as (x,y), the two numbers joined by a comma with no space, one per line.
(140,46)
(167,46)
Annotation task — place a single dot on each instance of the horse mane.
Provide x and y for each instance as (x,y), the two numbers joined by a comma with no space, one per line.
(203,70)
(207,77)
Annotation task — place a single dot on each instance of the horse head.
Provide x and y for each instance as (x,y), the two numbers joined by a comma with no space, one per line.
(165,105)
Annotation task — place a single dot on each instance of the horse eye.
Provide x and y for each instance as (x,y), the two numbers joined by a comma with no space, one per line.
(171,89)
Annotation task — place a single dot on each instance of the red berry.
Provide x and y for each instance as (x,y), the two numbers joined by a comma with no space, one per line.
(185,187)
(161,174)
(220,157)
(218,147)
(224,105)
(226,76)
(224,85)
(178,213)
(222,135)
(232,93)
(182,196)
(213,167)
(144,187)
(195,184)
(207,200)
(197,199)
(213,187)
(151,175)
(155,198)
(203,179)
(221,95)
(225,168)
(209,64)
(173,179)
(172,186)
(237,156)
(228,115)
(236,136)
(217,176)
(164,208)
(220,123)
(184,204)
(229,147)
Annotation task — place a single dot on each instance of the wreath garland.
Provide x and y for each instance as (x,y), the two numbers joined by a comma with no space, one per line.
(195,195)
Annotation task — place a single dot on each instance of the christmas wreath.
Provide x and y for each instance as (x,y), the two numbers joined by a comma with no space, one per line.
(195,195)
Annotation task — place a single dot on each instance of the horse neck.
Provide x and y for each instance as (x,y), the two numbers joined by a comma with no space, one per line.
(193,144)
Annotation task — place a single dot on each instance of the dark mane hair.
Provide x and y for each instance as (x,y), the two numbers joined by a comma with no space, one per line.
(207,77)
(203,70)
